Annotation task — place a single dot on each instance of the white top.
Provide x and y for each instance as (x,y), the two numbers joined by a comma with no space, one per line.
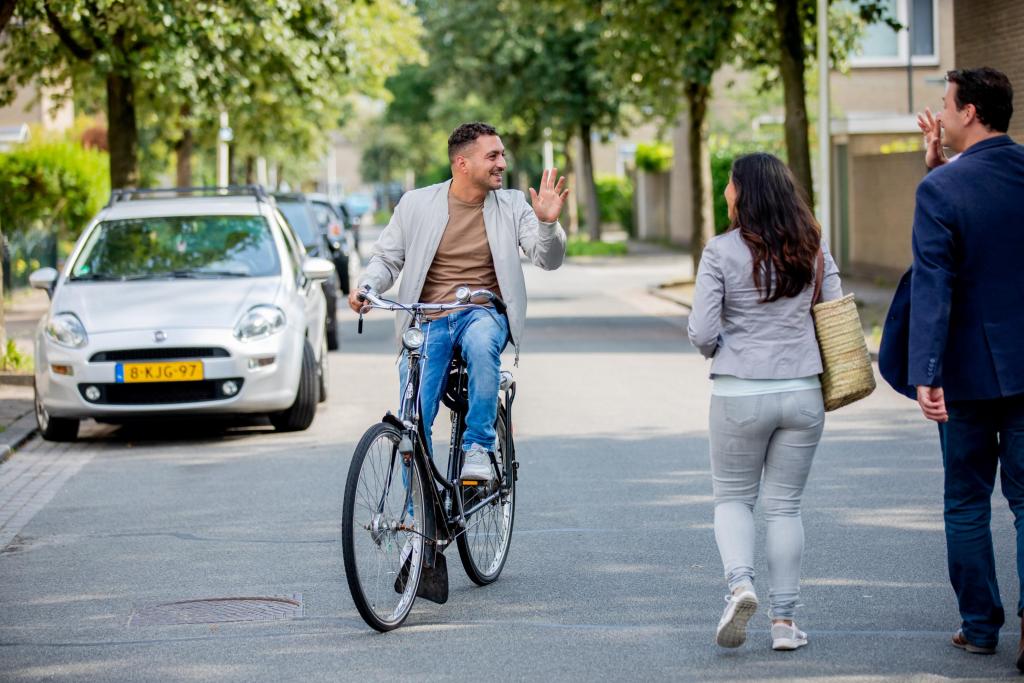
(728,385)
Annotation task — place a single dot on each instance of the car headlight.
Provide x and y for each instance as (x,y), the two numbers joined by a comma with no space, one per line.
(413,338)
(67,330)
(259,322)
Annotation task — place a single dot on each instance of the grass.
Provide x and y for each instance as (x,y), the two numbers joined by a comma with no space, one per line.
(14,360)
(582,246)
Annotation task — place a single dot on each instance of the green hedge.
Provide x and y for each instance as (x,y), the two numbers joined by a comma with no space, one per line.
(615,198)
(58,184)
(654,157)
(721,166)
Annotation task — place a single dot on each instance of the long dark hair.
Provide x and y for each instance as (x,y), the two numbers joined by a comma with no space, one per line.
(774,220)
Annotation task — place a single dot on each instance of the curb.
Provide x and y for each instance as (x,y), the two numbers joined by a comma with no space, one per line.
(657,291)
(17,379)
(18,433)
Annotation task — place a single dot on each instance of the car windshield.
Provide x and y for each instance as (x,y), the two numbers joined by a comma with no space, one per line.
(298,216)
(178,246)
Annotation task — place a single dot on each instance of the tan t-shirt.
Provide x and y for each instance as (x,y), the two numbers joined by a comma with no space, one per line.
(463,257)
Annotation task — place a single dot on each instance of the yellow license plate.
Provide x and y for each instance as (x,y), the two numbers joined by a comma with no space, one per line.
(178,371)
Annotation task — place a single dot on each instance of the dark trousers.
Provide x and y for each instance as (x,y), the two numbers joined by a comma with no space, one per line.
(980,437)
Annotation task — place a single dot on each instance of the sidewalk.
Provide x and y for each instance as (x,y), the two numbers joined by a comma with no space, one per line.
(17,420)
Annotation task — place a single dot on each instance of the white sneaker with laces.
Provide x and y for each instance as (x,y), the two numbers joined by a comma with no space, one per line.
(787,637)
(732,627)
(477,465)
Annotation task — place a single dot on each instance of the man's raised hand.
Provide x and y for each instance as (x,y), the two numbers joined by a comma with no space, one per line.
(547,203)
(932,130)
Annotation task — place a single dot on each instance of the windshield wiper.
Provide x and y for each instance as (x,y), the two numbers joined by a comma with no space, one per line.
(188,275)
(96,277)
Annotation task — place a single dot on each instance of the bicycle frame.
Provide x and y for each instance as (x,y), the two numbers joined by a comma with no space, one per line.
(444,522)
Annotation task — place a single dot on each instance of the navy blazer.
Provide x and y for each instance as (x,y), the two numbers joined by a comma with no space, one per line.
(967,287)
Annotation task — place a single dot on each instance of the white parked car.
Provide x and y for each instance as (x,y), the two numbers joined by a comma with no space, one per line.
(182,305)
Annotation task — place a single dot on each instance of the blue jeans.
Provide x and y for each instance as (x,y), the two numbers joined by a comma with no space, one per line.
(979,437)
(482,334)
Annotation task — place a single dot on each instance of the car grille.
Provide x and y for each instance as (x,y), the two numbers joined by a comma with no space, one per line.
(171,353)
(150,393)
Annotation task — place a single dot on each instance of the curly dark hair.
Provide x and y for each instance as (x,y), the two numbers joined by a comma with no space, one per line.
(465,135)
(989,91)
(776,223)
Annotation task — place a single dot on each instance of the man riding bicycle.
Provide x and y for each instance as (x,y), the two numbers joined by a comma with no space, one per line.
(467,232)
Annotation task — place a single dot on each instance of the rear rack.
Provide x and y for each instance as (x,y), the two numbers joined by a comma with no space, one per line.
(126,194)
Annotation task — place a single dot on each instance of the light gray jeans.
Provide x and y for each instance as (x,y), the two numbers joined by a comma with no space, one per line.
(764,443)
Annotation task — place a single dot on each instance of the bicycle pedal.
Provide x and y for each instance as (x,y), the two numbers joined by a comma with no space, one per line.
(470,482)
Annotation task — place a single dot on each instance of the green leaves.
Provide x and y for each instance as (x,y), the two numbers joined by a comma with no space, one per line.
(282,68)
(53,183)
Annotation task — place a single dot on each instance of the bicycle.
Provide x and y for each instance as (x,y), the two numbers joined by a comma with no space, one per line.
(401,513)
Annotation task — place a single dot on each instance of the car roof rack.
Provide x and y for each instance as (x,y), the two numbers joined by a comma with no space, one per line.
(126,194)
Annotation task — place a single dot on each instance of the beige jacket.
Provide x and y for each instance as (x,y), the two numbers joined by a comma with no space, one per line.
(410,240)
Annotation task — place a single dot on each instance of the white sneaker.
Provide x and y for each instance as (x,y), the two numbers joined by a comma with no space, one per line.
(732,627)
(477,465)
(786,637)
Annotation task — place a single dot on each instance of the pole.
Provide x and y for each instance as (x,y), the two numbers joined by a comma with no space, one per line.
(910,67)
(824,132)
(223,138)
(549,150)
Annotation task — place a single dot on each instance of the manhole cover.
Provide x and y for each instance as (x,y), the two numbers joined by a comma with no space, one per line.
(219,610)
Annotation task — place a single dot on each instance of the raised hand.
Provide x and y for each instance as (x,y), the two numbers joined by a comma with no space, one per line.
(547,203)
(932,129)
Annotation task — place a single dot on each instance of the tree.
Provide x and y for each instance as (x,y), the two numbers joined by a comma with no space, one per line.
(781,35)
(535,65)
(264,59)
(667,52)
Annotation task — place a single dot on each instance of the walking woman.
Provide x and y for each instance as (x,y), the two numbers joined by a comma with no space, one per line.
(752,316)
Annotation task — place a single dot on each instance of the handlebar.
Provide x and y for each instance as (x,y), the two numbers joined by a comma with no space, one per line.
(463,299)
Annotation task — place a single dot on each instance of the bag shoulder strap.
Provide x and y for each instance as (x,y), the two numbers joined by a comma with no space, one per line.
(819,274)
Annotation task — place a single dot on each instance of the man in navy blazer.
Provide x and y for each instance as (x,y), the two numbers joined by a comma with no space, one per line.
(966,356)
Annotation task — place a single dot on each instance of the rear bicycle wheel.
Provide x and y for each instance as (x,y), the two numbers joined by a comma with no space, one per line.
(483,547)
(382,529)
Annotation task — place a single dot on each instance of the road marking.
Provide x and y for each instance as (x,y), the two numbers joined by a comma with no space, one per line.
(31,479)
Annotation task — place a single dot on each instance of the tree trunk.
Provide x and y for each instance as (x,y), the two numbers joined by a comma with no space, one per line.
(791,68)
(250,169)
(122,131)
(6,12)
(183,153)
(585,178)
(573,198)
(702,225)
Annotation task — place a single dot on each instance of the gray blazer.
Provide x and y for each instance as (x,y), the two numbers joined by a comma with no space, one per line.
(408,244)
(746,338)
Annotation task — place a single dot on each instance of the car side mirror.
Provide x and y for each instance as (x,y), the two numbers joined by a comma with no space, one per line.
(44,278)
(315,268)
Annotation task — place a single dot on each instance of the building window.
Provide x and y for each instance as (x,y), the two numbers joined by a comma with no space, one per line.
(882,46)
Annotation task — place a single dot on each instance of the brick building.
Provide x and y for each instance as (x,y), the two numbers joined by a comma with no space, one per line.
(991,33)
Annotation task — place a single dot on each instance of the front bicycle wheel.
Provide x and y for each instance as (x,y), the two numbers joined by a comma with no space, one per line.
(483,547)
(382,529)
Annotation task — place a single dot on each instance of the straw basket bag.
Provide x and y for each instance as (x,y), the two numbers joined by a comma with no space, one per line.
(846,365)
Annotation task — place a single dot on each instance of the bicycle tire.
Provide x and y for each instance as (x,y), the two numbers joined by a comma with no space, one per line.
(370,535)
(482,559)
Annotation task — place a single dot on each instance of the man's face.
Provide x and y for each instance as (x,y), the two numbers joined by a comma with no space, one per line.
(485,162)
(952,121)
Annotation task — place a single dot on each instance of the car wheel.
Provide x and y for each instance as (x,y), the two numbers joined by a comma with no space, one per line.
(54,428)
(323,370)
(300,415)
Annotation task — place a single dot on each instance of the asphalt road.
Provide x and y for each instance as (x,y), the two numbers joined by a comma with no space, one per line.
(613,573)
